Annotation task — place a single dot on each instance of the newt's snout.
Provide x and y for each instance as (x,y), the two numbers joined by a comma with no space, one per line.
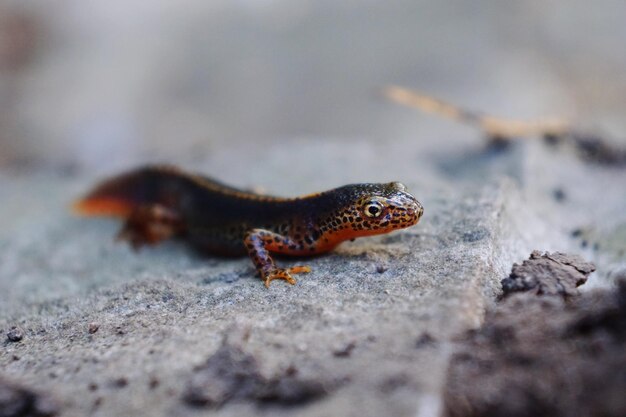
(415,211)
(405,210)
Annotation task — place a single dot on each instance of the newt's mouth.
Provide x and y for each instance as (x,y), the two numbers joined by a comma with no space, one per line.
(415,212)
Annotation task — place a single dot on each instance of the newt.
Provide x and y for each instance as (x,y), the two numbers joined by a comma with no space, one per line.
(161,202)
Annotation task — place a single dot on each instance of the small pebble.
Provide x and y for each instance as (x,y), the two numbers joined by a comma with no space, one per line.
(120,382)
(291,370)
(15,334)
(559,194)
(345,351)
(425,340)
(97,402)
(93,327)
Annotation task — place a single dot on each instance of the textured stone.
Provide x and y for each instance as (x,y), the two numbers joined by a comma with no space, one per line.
(355,333)
(548,274)
(540,356)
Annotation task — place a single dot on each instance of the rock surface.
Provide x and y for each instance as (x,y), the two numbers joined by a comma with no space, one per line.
(353,331)
(548,274)
(537,354)
(367,332)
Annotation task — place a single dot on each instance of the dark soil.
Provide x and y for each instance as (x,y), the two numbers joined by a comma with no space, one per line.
(545,351)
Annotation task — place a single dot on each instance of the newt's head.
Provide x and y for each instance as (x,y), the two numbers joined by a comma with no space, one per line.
(370,209)
(385,207)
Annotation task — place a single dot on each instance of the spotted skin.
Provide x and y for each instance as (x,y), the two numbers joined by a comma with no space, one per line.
(260,243)
(160,202)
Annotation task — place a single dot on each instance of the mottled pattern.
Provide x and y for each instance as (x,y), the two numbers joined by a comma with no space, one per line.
(222,219)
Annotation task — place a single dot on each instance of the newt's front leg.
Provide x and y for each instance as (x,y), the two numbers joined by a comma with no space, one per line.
(259,243)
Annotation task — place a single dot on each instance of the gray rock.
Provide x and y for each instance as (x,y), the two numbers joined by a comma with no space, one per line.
(163,312)
(548,274)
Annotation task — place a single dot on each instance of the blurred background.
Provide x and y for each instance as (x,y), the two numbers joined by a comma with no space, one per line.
(101,85)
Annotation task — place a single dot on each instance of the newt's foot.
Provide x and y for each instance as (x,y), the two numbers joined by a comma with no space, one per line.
(285,273)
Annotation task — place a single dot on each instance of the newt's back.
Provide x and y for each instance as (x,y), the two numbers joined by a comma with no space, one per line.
(212,215)
(188,194)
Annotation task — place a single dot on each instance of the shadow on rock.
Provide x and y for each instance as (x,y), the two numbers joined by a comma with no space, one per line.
(18,401)
(231,374)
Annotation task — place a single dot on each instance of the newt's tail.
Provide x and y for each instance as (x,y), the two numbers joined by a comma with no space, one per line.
(121,195)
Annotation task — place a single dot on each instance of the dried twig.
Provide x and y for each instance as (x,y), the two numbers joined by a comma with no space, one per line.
(588,146)
(494,127)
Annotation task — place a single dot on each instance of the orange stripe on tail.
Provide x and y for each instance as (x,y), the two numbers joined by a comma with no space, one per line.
(102,206)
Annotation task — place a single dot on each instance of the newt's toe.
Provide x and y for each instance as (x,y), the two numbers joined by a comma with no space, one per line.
(281,273)
(300,269)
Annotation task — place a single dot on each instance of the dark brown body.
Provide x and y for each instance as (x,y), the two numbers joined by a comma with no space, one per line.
(161,202)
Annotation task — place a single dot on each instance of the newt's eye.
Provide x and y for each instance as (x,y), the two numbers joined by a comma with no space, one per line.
(373,209)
